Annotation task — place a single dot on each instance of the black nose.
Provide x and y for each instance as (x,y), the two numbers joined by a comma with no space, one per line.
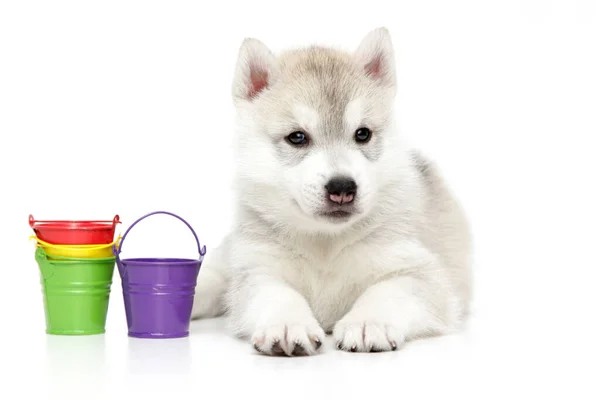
(341,190)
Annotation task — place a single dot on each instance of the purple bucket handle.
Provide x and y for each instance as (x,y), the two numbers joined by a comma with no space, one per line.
(201,250)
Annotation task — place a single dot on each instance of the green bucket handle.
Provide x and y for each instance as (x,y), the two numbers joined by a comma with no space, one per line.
(46,267)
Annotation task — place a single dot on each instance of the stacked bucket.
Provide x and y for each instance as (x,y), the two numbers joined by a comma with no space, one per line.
(76,273)
(76,264)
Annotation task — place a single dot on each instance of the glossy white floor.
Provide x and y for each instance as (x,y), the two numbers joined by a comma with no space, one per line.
(516,346)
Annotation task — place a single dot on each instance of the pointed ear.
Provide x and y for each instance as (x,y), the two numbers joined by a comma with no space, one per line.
(375,54)
(255,70)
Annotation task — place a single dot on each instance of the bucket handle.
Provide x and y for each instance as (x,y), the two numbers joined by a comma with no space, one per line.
(116,220)
(117,249)
(46,267)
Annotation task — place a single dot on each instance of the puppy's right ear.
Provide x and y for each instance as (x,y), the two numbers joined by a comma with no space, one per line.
(255,70)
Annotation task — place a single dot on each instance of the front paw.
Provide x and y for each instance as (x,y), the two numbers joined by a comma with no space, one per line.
(367,336)
(289,339)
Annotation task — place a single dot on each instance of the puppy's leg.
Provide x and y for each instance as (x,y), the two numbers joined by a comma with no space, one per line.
(209,291)
(211,286)
(397,309)
(276,318)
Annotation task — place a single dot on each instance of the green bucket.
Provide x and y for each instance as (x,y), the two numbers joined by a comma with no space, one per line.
(76,293)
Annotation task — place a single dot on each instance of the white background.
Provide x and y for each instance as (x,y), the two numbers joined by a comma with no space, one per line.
(123,107)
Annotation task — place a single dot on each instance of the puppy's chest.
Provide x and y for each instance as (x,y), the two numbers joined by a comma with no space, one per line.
(331,286)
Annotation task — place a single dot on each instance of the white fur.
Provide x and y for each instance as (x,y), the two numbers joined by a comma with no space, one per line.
(307,117)
(353,114)
(397,270)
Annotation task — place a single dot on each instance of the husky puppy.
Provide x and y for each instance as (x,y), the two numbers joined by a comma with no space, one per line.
(341,228)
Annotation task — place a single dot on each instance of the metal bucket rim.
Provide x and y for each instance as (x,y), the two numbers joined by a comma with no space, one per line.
(74,224)
(62,260)
(159,259)
(159,262)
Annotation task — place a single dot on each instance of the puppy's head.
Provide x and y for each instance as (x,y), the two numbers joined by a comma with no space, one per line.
(314,130)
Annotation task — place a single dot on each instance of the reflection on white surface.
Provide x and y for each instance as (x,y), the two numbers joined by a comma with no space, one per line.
(83,353)
(75,363)
(159,356)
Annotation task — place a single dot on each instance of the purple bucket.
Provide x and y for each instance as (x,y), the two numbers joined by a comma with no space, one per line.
(158,292)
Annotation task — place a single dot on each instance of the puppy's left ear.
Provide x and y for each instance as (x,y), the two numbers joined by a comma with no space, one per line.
(375,54)
(255,70)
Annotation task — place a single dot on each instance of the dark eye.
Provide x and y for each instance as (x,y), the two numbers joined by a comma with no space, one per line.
(362,135)
(297,138)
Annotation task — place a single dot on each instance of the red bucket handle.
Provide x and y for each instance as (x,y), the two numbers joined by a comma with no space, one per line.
(201,250)
(116,220)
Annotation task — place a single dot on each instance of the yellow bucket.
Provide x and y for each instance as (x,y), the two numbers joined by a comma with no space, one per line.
(77,250)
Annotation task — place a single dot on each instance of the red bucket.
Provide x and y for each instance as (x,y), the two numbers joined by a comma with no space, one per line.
(75,232)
